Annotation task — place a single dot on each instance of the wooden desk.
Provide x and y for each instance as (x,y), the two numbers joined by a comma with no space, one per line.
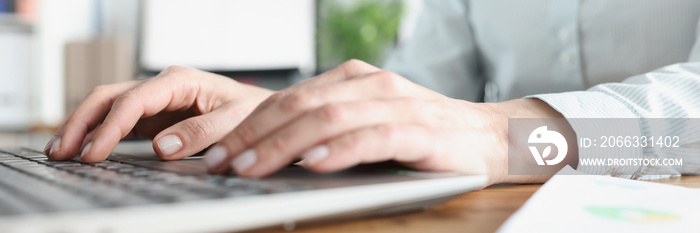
(479,211)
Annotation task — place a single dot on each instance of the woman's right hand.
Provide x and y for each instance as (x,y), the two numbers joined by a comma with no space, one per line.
(184,110)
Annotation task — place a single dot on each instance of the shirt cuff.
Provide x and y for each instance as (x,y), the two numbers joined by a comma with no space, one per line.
(593,115)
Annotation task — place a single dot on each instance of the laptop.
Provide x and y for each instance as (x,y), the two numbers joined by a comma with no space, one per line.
(138,192)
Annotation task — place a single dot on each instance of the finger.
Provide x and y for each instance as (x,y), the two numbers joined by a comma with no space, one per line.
(68,140)
(378,85)
(194,134)
(418,146)
(281,147)
(404,143)
(347,70)
(88,138)
(149,127)
(148,99)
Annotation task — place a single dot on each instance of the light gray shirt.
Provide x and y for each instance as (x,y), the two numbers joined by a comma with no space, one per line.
(634,58)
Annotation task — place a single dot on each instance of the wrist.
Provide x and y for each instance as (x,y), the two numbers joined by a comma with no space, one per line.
(515,147)
(526,108)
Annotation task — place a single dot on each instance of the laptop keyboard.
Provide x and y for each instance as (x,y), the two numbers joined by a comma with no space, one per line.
(31,183)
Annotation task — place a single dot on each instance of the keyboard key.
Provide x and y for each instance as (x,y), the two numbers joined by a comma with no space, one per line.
(52,198)
(10,206)
(112,183)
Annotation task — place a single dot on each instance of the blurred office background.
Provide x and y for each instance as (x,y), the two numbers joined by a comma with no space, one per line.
(53,52)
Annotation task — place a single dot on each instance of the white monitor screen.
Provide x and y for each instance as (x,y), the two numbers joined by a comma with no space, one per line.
(228,35)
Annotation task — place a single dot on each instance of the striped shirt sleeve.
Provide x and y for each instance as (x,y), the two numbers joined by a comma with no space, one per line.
(672,93)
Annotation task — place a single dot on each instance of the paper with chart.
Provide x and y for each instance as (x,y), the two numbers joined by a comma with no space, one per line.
(587,203)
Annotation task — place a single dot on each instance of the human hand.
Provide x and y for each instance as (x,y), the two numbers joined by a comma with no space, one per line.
(183,109)
(358,113)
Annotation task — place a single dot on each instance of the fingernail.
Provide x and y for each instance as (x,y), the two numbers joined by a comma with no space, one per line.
(86,149)
(244,160)
(55,145)
(214,156)
(315,155)
(49,144)
(169,144)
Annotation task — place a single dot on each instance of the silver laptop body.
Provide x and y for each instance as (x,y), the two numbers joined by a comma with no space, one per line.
(140,193)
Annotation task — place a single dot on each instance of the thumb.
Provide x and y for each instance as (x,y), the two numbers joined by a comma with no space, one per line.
(194,134)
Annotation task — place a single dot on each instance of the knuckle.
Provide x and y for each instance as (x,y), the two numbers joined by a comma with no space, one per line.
(111,127)
(274,98)
(278,146)
(295,102)
(175,71)
(390,81)
(331,113)
(75,122)
(352,63)
(387,131)
(124,97)
(198,129)
(245,135)
(99,91)
(354,67)
(351,144)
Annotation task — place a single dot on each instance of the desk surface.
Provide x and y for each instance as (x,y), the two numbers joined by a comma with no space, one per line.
(480,211)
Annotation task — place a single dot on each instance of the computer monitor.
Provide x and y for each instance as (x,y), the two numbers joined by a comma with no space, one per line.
(228,35)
